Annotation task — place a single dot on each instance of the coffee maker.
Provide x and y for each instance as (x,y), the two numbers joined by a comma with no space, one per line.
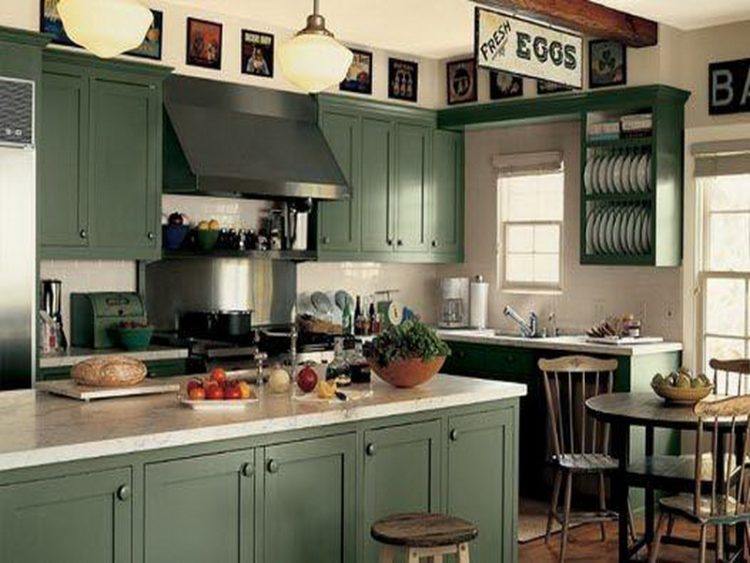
(454,303)
(51,305)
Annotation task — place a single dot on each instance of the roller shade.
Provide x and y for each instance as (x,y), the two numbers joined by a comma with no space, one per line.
(723,158)
(528,163)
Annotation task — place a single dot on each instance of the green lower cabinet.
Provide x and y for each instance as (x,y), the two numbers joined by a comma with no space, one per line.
(309,501)
(83,518)
(401,474)
(201,509)
(482,477)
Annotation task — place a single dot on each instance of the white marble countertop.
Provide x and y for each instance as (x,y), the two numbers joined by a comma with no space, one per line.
(74,355)
(49,429)
(576,344)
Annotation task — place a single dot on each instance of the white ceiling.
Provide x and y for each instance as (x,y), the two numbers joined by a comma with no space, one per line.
(443,28)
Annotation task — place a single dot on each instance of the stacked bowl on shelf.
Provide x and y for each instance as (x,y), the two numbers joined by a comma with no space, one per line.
(624,172)
(619,228)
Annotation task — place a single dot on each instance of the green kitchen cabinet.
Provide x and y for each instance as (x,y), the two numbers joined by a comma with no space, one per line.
(412,187)
(377,185)
(73,519)
(100,158)
(401,473)
(309,501)
(339,221)
(447,199)
(201,509)
(481,480)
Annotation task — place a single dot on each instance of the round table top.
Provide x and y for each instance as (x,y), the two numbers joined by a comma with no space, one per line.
(643,409)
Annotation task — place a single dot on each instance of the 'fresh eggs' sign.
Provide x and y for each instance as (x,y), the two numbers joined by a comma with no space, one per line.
(525,48)
(729,87)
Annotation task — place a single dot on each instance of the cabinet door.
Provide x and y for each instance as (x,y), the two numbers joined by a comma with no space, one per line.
(201,509)
(339,228)
(482,472)
(125,152)
(447,195)
(76,519)
(309,501)
(377,185)
(413,162)
(401,474)
(63,158)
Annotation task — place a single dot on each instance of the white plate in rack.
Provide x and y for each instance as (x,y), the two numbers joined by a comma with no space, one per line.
(597,218)
(633,173)
(616,226)
(587,175)
(602,174)
(589,233)
(617,174)
(643,172)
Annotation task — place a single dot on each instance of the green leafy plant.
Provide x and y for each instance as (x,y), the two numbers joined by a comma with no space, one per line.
(411,339)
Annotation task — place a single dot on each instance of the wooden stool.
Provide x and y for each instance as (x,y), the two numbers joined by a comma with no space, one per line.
(423,535)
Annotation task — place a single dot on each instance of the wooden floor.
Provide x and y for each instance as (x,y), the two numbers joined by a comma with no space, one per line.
(584,544)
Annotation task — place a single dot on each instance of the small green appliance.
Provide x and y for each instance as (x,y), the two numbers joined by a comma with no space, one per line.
(93,316)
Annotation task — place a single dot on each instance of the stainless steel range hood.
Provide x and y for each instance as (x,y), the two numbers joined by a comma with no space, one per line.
(230,139)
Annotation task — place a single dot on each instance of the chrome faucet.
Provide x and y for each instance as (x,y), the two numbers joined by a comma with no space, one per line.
(528,329)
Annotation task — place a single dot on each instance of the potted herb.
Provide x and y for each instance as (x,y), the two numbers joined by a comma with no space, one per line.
(407,355)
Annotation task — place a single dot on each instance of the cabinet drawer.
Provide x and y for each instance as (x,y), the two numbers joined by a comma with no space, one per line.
(486,360)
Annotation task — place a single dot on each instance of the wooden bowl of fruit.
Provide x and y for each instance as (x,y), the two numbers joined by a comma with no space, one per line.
(218,392)
(681,387)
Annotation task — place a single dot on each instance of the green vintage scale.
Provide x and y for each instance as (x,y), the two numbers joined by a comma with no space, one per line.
(93,315)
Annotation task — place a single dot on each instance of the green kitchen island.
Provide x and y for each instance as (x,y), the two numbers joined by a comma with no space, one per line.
(145,479)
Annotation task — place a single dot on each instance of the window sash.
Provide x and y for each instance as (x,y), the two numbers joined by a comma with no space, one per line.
(503,255)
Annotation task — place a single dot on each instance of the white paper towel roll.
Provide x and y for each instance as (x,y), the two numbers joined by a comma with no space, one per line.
(478,292)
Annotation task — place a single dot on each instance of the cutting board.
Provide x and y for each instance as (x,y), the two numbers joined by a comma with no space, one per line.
(624,340)
(69,388)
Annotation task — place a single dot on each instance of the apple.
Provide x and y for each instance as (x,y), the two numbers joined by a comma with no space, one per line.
(218,375)
(232,392)
(245,389)
(176,219)
(194,384)
(307,379)
(214,393)
(197,394)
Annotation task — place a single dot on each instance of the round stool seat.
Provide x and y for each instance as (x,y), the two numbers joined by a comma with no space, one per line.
(423,530)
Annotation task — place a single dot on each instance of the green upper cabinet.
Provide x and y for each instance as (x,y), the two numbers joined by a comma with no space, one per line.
(83,518)
(339,220)
(407,205)
(201,509)
(401,474)
(100,158)
(309,501)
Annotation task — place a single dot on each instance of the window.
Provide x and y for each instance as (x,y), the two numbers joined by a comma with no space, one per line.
(724,272)
(531,215)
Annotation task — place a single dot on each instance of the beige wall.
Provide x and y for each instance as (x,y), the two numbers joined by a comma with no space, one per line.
(589,292)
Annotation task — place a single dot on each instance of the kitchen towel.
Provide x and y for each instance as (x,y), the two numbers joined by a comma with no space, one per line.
(478,292)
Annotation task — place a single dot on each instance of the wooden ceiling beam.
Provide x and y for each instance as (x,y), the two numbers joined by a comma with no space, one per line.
(586,17)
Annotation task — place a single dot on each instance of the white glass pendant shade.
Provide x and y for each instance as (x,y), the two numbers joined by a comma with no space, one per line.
(314,62)
(107,28)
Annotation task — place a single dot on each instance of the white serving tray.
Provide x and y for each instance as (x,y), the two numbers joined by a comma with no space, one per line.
(217,405)
(624,340)
(69,388)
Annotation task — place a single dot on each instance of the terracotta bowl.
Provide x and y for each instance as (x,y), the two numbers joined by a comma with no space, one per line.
(682,395)
(408,373)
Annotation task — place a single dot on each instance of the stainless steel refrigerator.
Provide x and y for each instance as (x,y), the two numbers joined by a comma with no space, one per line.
(17,234)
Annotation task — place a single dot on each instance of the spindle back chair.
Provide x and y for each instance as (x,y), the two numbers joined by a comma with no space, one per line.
(738,368)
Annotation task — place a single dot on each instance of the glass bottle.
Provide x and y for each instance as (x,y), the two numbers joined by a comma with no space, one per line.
(339,369)
(347,318)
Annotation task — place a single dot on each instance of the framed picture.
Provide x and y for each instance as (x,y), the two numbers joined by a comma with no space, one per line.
(505,85)
(51,23)
(403,78)
(257,53)
(203,43)
(607,63)
(359,76)
(547,87)
(462,81)
(151,46)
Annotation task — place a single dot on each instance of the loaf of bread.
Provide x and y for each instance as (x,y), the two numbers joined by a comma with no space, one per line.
(109,371)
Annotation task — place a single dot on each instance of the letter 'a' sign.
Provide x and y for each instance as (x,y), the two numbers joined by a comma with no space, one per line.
(525,48)
(729,87)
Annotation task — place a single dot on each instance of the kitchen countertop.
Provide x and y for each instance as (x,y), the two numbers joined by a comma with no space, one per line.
(74,355)
(49,429)
(563,343)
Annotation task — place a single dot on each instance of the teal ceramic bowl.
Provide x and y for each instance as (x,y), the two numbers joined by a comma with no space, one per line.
(207,239)
(135,338)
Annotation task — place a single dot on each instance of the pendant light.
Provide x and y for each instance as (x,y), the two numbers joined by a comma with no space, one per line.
(313,59)
(107,28)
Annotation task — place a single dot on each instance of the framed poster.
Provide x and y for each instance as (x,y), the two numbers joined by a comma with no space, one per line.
(151,46)
(257,53)
(403,80)
(547,87)
(525,48)
(203,43)
(729,87)
(607,63)
(359,76)
(51,23)
(462,81)
(504,85)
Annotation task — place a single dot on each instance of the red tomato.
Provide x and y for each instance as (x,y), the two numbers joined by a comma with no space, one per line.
(194,384)
(197,394)
(214,393)
(232,392)
(218,375)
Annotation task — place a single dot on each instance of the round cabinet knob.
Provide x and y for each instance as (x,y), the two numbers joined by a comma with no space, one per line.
(83,233)
(123,492)
(399,242)
(247,470)
(370,449)
(273,466)
(453,435)
(389,242)
(151,236)
(326,240)
(434,244)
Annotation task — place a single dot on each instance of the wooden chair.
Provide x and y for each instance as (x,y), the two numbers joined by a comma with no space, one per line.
(740,369)
(728,503)
(580,443)
(419,535)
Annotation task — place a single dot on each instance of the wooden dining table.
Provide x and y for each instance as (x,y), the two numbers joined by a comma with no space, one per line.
(623,411)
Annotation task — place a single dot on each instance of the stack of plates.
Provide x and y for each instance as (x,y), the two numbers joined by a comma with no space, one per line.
(619,173)
(620,229)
